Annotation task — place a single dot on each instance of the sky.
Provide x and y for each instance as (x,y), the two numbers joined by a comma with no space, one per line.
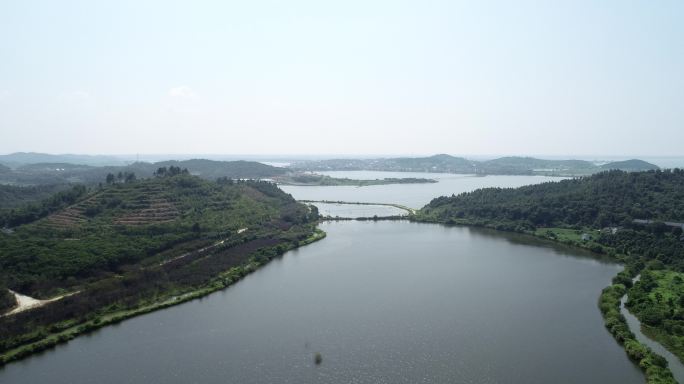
(346,77)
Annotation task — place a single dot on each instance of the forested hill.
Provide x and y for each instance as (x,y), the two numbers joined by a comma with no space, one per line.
(633,165)
(132,246)
(21,158)
(450,164)
(80,234)
(61,173)
(611,198)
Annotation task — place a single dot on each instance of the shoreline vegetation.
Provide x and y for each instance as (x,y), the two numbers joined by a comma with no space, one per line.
(134,246)
(657,299)
(654,366)
(101,319)
(590,218)
(630,217)
(312,179)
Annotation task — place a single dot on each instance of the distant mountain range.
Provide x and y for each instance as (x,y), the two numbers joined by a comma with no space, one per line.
(450,164)
(41,169)
(60,173)
(21,158)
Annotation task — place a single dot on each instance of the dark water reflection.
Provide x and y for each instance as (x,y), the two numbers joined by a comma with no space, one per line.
(385,302)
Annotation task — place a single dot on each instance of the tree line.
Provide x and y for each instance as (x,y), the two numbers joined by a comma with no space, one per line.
(613,198)
(34,211)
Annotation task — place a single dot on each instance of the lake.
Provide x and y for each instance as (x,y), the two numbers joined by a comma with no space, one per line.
(382,302)
(410,195)
(357,210)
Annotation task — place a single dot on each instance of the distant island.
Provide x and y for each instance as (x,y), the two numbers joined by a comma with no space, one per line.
(450,164)
(312,179)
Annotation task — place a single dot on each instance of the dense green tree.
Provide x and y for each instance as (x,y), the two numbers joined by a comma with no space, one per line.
(7,300)
(128,222)
(612,198)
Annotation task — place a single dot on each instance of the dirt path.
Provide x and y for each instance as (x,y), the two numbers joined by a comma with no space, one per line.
(25,303)
(239,231)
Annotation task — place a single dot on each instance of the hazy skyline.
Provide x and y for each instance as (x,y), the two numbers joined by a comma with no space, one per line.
(579,78)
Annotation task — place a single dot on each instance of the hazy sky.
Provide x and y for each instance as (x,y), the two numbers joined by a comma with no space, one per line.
(314,77)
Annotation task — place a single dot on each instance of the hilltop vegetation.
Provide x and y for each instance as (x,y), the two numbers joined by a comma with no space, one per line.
(79,234)
(64,173)
(35,210)
(12,196)
(451,164)
(613,198)
(602,201)
(139,244)
(633,165)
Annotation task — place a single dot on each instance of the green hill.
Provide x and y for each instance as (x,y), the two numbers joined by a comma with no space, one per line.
(436,163)
(12,196)
(64,173)
(211,169)
(128,223)
(439,163)
(128,248)
(21,158)
(638,214)
(605,199)
(530,165)
(633,165)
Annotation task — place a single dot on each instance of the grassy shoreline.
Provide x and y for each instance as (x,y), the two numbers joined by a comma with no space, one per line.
(221,281)
(658,298)
(653,365)
(665,340)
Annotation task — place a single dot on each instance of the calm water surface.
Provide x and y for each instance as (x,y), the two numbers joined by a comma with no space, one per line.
(386,302)
(353,210)
(411,195)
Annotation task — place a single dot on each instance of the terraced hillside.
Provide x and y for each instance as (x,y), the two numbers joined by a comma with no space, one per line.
(105,254)
(125,224)
(140,204)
